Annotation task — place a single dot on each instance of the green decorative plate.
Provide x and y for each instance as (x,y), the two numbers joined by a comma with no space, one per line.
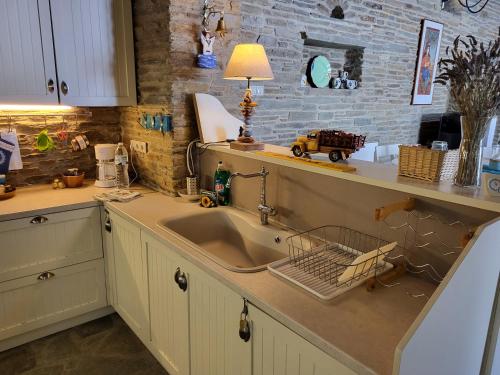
(319,71)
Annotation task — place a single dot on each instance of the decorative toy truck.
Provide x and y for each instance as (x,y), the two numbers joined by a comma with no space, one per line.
(336,143)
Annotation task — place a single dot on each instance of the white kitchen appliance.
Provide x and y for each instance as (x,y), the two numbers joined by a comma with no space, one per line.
(106,172)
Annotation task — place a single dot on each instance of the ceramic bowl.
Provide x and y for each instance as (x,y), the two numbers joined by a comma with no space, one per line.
(74,181)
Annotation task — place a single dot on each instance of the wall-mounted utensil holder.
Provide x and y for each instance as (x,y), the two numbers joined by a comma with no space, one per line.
(160,122)
(421,235)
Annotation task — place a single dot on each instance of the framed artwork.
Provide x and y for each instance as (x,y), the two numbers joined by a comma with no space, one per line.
(428,55)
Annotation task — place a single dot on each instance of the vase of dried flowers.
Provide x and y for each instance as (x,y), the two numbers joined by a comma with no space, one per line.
(471,71)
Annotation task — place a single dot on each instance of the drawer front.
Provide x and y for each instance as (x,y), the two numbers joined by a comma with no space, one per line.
(35,244)
(29,303)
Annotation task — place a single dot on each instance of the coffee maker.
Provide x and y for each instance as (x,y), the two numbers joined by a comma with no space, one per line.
(106,172)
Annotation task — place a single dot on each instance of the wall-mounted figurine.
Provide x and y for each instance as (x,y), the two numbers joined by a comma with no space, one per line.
(343,82)
(207,59)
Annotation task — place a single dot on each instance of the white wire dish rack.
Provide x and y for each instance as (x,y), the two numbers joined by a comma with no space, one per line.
(330,260)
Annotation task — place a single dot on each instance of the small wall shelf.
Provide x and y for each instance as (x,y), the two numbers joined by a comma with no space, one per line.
(314,41)
(352,52)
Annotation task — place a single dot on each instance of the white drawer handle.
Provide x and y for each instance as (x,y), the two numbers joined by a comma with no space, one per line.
(39,220)
(45,276)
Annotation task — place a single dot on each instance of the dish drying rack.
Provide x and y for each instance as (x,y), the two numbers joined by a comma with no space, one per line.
(330,260)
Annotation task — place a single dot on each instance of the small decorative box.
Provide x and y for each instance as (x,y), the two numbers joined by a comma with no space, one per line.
(491,183)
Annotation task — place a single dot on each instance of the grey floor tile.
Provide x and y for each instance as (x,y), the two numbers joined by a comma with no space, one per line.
(105,346)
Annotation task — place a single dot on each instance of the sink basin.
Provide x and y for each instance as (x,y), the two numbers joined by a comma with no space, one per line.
(233,239)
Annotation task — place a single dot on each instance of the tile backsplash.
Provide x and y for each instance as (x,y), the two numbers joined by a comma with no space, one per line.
(103,126)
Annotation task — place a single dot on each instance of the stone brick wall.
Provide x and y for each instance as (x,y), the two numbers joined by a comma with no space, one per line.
(390,30)
(42,167)
(167,42)
(166,36)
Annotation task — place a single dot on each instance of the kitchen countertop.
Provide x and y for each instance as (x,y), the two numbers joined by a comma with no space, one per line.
(359,329)
(36,199)
(379,175)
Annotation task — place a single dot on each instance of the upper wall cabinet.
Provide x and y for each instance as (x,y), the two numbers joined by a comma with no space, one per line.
(88,43)
(27,66)
(94,52)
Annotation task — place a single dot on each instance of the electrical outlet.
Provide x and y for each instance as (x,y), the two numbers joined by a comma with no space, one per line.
(257,90)
(138,146)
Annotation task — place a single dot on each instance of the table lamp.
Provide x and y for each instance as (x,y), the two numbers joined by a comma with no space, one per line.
(248,62)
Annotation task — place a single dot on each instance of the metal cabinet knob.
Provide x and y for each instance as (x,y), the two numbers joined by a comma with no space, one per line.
(64,88)
(45,276)
(39,220)
(181,279)
(50,85)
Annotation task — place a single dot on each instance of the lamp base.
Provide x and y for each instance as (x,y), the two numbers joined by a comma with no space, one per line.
(243,146)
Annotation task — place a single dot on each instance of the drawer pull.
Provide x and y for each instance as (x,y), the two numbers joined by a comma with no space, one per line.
(180,279)
(39,220)
(45,276)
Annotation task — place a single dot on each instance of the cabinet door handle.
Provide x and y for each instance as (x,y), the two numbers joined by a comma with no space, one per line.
(39,220)
(244,330)
(64,88)
(50,85)
(180,279)
(45,276)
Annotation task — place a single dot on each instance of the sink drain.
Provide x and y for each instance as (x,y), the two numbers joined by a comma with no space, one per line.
(277,239)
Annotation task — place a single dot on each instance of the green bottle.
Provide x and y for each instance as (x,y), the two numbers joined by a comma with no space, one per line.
(220,180)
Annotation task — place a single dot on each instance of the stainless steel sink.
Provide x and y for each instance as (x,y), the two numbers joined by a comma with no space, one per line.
(235,240)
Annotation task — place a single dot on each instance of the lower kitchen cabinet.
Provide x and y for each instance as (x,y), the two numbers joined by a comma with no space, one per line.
(168,307)
(214,316)
(131,280)
(36,301)
(190,320)
(279,351)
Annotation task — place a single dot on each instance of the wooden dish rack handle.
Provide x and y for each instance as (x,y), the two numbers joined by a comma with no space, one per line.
(383,212)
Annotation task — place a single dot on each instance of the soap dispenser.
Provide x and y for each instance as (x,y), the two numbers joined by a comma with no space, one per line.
(220,179)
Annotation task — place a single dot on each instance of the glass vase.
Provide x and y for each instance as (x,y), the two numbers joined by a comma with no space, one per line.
(470,162)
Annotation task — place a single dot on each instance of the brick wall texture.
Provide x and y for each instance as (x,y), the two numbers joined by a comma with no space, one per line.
(42,167)
(167,42)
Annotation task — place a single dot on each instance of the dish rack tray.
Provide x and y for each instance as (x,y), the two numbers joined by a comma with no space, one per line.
(326,261)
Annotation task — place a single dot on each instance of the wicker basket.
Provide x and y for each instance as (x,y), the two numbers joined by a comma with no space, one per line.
(426,164)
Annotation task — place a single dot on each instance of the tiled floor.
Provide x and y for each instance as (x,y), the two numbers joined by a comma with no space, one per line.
(102,347)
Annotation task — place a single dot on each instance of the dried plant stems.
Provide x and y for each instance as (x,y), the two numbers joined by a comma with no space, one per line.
(472,73)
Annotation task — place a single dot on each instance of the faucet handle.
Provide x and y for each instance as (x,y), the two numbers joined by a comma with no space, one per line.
(271,211)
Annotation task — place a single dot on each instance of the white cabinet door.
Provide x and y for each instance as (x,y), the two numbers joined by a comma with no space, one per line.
(169,309)
(279,351)
(214,315)
(26,53)
(131,298)
(37,243)
(32,302)
(94,52)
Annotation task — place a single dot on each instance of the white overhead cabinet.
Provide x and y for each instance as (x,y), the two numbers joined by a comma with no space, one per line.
(73,52)
(27,65)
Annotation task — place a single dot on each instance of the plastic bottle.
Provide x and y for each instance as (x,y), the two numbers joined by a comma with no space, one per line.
(220,180)
(121,165)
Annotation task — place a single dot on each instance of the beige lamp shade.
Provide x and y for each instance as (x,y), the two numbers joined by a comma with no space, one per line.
(248,61)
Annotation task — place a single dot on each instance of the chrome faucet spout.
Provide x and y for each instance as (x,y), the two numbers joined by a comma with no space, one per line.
(265,210)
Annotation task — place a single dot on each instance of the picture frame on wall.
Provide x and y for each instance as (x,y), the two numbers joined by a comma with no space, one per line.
(427,61)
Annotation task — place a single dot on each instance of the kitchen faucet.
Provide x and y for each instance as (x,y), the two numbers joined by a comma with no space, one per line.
(265,210)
